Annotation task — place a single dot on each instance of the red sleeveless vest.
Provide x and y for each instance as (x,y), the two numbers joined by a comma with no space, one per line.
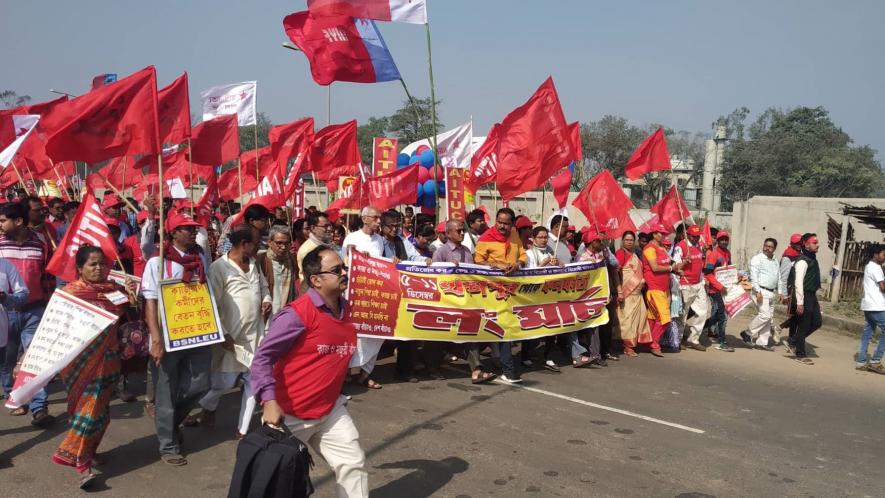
(691,271)
(309,377)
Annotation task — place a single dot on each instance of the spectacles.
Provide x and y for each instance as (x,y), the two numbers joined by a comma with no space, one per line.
(326,227)
(335,270)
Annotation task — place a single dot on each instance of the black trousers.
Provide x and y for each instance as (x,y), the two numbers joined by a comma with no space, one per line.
(805,324)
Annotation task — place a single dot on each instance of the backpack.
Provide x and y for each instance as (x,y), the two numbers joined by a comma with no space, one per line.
(271,463)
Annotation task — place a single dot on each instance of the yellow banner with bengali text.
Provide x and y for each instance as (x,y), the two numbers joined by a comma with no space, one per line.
(189,315)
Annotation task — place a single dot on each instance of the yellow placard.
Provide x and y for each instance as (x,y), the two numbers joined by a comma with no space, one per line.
(189,315)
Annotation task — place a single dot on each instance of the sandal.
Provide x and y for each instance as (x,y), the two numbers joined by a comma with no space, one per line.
(174,459)
(483,378)
(18,412)
(630,353)
(364,380)
(87,479)
(582,362)
(805,361)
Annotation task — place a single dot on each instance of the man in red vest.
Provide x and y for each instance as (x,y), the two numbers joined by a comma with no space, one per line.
(301,364)
(692,285)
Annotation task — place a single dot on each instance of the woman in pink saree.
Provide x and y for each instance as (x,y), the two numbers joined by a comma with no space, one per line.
(631,313)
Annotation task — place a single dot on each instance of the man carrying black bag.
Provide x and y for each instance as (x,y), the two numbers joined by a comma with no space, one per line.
(301,364)
(271,464)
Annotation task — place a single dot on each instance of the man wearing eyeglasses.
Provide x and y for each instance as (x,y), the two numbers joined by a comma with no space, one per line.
(278,267)
(319,233)
(301,364)
(367,241)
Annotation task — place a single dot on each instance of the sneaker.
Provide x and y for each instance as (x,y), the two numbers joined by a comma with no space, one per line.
(789,348)
(612,357)
(697,347)
(745,336)
(765,348)
(724,347)
(510,380)
(552,366)
(861,366)
(877,368)
(42,419)
(527,363)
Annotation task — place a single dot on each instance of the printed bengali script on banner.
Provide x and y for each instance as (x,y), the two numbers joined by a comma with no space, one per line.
(470,303)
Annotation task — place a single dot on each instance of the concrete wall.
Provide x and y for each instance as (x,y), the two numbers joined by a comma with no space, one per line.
(779,217)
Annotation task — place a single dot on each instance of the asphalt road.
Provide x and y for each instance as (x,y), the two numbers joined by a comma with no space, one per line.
(693,424)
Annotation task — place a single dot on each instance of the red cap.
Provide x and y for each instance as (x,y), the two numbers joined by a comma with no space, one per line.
(796,238)
(668,242)
(441,227)
(589,234)
(723,234)
(694,231)
(657,227)
(177,220)
(524,222)
(572,228)
(111,200)
(111,221)
(141,216)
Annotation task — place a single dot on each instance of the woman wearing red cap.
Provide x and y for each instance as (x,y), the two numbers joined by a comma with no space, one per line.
(656,269)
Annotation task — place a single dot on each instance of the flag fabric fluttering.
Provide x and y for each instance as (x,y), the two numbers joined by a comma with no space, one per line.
(409,11)
(335,152)
(112,121)
(706,234)
(604,204)
(455,147)
(671,209)
(562,182)
(341,48)
(484,163)
(235,98)
(174,112)
(216,141)
(103,79)
(22,126)
(291,141)
(533,143)
(88,228)
(651,155)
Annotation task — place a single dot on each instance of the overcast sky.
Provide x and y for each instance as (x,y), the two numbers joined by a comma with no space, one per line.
(680,62)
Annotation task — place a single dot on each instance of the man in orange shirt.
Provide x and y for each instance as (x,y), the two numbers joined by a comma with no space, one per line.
(656,269)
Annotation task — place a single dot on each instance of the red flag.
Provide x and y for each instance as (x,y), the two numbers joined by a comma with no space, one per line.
(484,163)
(113,121)
(335,152)
(604,204)
(348,199)
(649,226)
(562,182)
(88,228)
(706,234)
(216,141)
(341,48)
(391,190)
(651,155)
(288,141)
(229,187)
(671,209)
(44,107)
(122,172)
(173,106)
(264,160)
(534,143)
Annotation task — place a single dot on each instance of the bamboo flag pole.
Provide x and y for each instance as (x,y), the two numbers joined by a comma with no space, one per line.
(33,180)
(190,172)
(678,201)
(240,179)
(160,227)
(117,191)
(433,118)
(255,128)
(123,181)
(19,175)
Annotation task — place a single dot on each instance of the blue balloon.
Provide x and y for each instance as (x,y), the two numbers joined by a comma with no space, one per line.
(403,159)
(442,189)
(420,195)
(429,188)
(415,159)
(427,158)
(429,201)
(401,166)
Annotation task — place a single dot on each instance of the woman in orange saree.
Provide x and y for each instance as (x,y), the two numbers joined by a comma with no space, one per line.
(631,312)
(91,376)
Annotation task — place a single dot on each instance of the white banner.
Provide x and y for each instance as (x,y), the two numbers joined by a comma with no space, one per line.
(236,98)
(455,146)
(68,326)
(23,125)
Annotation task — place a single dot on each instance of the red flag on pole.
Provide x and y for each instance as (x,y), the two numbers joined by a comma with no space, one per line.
(335,152)
(173,106)
(88,228)
(113,121)
(651,155)
(671,209)
(266,166)
(484,163)
(216,141)
(604,204)
(562,182)
(288,141)
(706,234)
(228,184)
(391,190)
(534,143)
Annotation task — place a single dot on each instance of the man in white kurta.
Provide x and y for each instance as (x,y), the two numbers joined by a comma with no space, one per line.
(243,301)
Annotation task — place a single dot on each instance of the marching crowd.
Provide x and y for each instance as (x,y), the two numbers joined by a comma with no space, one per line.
(279,285)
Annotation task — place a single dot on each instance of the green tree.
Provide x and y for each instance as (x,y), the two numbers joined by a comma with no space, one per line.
(409,123)
(797,152)
(247,133)
(10,99)
(608,143)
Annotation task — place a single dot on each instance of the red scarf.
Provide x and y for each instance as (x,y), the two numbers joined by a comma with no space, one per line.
(191,261)
(791,253)
(493,235)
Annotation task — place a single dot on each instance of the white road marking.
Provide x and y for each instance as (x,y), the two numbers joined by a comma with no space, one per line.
(603,407)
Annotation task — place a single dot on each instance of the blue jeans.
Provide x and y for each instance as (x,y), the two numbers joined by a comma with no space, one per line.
(873,319)
(506,355)
(718,316)
(22,326)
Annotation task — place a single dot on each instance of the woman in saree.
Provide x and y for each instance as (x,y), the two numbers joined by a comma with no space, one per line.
(90,378)
(631,313)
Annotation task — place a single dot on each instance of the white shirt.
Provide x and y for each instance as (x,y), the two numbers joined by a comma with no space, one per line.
(537,256)
(562,253)
(873,297)
(765,272)
(363,242)
(150,287)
